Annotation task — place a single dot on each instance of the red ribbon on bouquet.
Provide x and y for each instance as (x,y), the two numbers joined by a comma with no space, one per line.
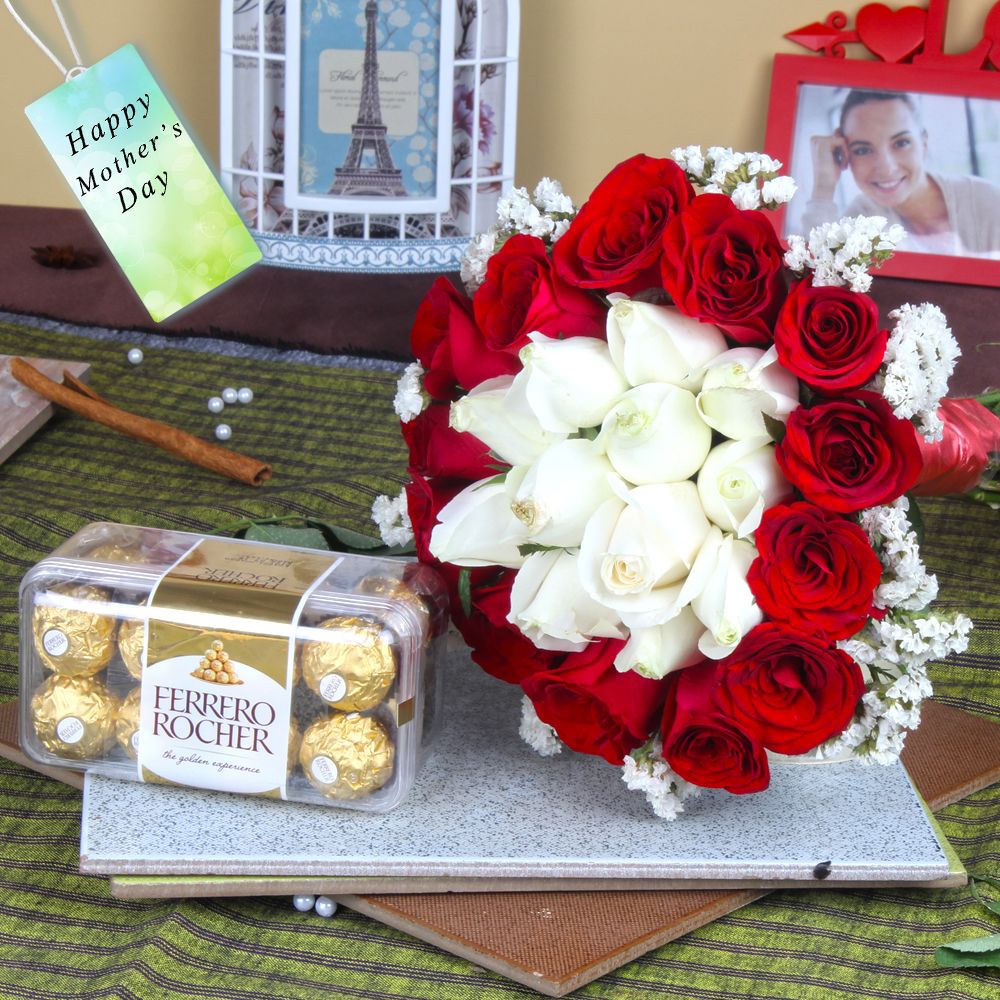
(956,463)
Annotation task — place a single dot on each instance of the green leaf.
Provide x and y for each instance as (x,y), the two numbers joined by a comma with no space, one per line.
(530,548)
(991,400)
(279,534)
(982,953)
(496,480)
(308,532)
(239,528)
(916,519)
(774,427)
(353,539)
(590,433)
(991,905)
(347,540)
(465,591)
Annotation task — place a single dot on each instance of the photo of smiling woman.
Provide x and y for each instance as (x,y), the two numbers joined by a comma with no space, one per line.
(927,162)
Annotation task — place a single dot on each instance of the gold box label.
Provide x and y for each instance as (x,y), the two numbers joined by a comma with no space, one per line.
(216,693)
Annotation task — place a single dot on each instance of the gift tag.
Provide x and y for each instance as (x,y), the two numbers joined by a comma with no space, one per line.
(135,169)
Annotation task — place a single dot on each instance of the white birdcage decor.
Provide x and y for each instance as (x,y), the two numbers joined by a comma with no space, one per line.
(368,135)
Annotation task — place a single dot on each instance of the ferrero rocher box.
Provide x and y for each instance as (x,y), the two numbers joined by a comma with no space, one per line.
(219,663)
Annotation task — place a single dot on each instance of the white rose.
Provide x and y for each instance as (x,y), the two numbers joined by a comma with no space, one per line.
(638,548)
(742,384)
(739,481)
(497,412)
(569,383)
(550,607)
(655,652)
(555,496)
(477,528)
(654,434)
(651,343)
(717,591)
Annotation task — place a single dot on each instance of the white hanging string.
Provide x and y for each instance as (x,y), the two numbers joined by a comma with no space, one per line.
(74,70)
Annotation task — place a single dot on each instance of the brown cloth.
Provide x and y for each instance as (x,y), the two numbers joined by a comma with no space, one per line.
(353,313)
(330,313)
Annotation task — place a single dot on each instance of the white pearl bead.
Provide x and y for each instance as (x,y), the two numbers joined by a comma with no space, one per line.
(229,394)
(303,903)
(216,405)
(245,395)
(135,356)
(325,906)
(223,432)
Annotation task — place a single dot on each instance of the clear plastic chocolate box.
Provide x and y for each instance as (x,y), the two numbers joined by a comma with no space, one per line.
(233,665)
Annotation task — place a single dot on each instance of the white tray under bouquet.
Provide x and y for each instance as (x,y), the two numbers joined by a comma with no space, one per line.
(486,807)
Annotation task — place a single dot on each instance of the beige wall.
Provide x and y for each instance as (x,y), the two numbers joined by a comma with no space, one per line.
(179,39)
(600,79)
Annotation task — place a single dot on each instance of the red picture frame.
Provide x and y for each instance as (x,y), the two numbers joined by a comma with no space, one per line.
(791,73)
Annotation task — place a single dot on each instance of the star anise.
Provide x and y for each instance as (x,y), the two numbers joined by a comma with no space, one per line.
(69,257)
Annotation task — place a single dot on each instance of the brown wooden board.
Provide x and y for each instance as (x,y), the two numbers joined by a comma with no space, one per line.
(556,942)
(23,412)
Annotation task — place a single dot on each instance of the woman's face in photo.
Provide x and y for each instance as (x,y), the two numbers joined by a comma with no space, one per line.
(886,148)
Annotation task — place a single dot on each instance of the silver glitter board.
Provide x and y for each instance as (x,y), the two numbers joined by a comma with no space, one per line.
(485,806)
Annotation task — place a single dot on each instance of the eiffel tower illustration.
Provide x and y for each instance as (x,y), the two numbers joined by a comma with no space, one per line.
(368,134)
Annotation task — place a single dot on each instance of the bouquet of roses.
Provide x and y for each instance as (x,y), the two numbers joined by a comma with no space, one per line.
(663,465)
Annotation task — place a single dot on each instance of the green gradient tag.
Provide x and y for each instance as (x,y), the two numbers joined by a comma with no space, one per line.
(140,178)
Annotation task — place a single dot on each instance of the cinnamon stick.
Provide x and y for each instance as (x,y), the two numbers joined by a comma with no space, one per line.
(69,379)
(87,403)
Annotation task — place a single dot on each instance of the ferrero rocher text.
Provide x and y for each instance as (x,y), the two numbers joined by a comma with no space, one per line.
(212,719)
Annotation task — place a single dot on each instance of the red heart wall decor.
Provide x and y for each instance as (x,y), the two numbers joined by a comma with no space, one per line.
(892,35)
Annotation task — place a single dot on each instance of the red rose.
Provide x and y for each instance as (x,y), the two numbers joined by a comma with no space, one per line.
(789,690)
(443,307)
(614,241)
(723,265)
(439,450)
(829,337)
(704,746)
(846,456)
(522,294)
(814,570)
(449,345)
(497,646)
(594,708)
(424,498)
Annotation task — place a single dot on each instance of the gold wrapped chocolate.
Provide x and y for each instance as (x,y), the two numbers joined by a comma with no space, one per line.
(353,671)
(131,637)
(294,743)
(114,552)
(127,723)
(347,756)
(71,641)
(216,667)
(431,611)
(397,591)
(74,717)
